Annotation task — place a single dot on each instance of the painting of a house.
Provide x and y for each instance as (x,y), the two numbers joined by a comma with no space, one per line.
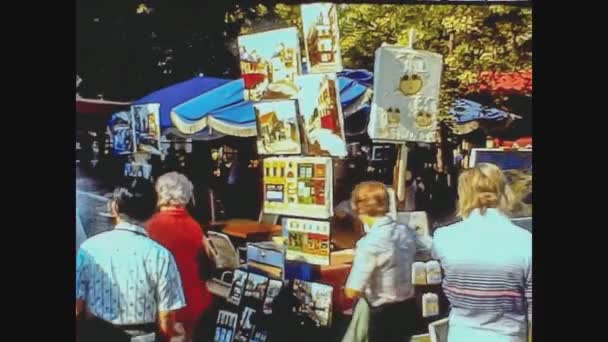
(270,62)
(320,107)
(278,131)
(322,37)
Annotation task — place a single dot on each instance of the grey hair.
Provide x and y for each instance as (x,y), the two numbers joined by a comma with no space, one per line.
(173,189)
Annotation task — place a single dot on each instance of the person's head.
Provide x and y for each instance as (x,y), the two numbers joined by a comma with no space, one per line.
(130,205)
(370,199)
(173,190)
(481,187)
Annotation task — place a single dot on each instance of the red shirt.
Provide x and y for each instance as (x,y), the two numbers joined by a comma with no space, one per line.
(177,231)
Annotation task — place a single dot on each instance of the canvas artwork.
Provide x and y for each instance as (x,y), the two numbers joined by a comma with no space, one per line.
(307,240)
(274,287)
(321,111)
(226,324)
(238,287)
(406,94)
(270,62)
(314,301)
(277,124)
(321,37)
(298,186)
(122,134)
(146,123)
(255,286)
(517,167)
(246,326)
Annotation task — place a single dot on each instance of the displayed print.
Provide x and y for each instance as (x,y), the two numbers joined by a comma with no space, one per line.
(274,287)
(321,37)
(314,301)
(307,240)
(270,62)
(298,186)
(406,94)
(246,327)
(321,110)
(238,287)
(278,131)
(122,134)
(226,324)
(255,286)
(146,123)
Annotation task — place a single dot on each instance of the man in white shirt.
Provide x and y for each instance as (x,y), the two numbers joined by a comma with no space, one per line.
(381,271)
(126,279)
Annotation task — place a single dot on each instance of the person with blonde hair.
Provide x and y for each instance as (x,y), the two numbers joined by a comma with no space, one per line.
(381,271)
(487,262)
(174,228)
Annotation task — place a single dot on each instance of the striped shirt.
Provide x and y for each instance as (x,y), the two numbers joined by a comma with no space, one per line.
(487,263)
(124,277)
(383,262)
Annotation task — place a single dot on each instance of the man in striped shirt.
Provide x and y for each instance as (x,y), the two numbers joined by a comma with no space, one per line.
(126,279)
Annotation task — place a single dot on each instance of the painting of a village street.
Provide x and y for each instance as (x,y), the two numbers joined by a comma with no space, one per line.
(322,113)
(270,62)
(278,131)
(321,37)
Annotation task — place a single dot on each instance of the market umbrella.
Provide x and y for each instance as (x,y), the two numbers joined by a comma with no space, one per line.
(225,110)
(175,94)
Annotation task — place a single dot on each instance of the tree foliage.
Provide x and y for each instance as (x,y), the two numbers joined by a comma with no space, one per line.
(128,48)
(472,39)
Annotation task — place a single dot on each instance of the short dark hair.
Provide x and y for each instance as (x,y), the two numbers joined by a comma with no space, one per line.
(135,205)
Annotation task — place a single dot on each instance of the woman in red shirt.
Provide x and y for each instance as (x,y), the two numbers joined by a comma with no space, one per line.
(174,228)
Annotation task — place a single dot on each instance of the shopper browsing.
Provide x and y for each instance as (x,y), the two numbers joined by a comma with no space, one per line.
(487,262)
(126,284)
(381,272)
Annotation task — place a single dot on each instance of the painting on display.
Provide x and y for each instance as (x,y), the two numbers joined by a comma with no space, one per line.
(277,124)
(321,111)
(122,133)
(270,62)
(517,167)
(314,301)
(298,186)
(307,240)
(238,287)
(406,94)
(146,124)
(321,37)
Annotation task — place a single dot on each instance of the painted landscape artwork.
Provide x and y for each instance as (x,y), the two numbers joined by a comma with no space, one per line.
(277,125)
(270,62)
(322,114)
(321,37)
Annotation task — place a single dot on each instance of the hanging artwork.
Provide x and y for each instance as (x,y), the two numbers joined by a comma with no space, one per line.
(298,186)
(270,62)
(321,110)
(121,131)
(321,37)
(146,124)
(278,131)
(406,94)
(307,240)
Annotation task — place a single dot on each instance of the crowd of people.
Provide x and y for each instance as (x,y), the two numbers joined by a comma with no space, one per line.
(144,277)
